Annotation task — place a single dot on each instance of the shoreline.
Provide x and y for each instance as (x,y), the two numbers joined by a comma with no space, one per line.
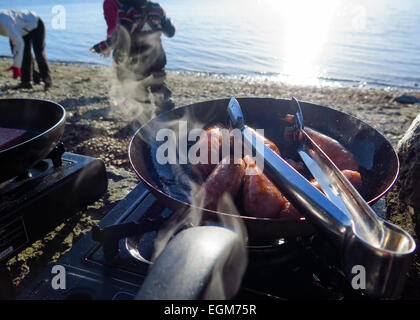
(100,123)
(274,78)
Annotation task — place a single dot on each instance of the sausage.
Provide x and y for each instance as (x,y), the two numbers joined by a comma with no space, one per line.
(225,179)
(210,140)
(297,165)
(338,154)
(354,178)
(261,198)
(290,211)
(270,144)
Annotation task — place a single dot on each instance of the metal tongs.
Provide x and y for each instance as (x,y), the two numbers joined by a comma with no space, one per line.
(378,250)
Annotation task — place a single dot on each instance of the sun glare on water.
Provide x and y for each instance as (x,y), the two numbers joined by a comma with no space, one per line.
(305,30)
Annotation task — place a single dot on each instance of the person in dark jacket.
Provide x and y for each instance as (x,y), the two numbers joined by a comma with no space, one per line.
(25,30)
(134,33)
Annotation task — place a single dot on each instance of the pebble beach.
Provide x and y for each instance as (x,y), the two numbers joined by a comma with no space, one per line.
(100,124)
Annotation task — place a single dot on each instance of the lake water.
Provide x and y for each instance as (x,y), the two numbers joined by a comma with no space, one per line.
(350,43)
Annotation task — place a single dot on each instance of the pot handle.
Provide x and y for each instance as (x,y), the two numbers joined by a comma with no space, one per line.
(206,262)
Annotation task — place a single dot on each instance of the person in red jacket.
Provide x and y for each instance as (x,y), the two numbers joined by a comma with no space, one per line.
(134,33)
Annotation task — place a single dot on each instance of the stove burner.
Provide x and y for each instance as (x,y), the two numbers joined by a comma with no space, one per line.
(109,237)
(299,268)
(142,247)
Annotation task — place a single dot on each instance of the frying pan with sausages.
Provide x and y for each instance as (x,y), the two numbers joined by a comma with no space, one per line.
(175,184)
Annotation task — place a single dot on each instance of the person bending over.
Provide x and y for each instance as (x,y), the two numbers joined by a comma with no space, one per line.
(26,29)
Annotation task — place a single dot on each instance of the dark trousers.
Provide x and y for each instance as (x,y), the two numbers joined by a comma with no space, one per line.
(143,63)
(35,39)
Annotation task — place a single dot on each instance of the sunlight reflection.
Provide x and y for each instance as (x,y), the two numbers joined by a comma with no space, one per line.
(306,25)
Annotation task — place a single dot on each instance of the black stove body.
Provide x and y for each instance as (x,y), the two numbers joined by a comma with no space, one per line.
(100,265)
(48,194)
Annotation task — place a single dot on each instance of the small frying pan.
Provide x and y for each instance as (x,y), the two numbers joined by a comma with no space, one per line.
(44,122)
(171,183)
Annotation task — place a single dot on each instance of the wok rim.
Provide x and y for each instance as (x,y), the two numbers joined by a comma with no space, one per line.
(250,218)
(57,124)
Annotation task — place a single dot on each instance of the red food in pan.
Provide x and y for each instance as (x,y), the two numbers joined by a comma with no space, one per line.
(260,197)
(270,144)
(226,179)
(338,154)
(211,141)
(354,178)
(297,165)
(10,137)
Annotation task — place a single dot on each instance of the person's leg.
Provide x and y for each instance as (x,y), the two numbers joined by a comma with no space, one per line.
(142,79)
(121,54)
(140,73)
(27,63)
(36,76)
(142,93)
(159,89)
(161,93)
(38,40)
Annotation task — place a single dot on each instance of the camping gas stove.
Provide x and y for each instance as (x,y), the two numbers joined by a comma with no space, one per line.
(111,262)
(55,188)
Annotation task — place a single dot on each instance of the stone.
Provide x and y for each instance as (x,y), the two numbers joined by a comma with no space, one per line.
(403,200)
(405,99)
(409,180)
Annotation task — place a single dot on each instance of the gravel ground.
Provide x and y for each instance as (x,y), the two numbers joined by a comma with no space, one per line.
(100,123)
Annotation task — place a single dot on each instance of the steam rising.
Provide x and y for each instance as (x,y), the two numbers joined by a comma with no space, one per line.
(227,276)
(130,100)
(134,75)
(179,180)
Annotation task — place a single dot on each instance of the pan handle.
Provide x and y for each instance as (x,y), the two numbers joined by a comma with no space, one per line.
(205,262)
